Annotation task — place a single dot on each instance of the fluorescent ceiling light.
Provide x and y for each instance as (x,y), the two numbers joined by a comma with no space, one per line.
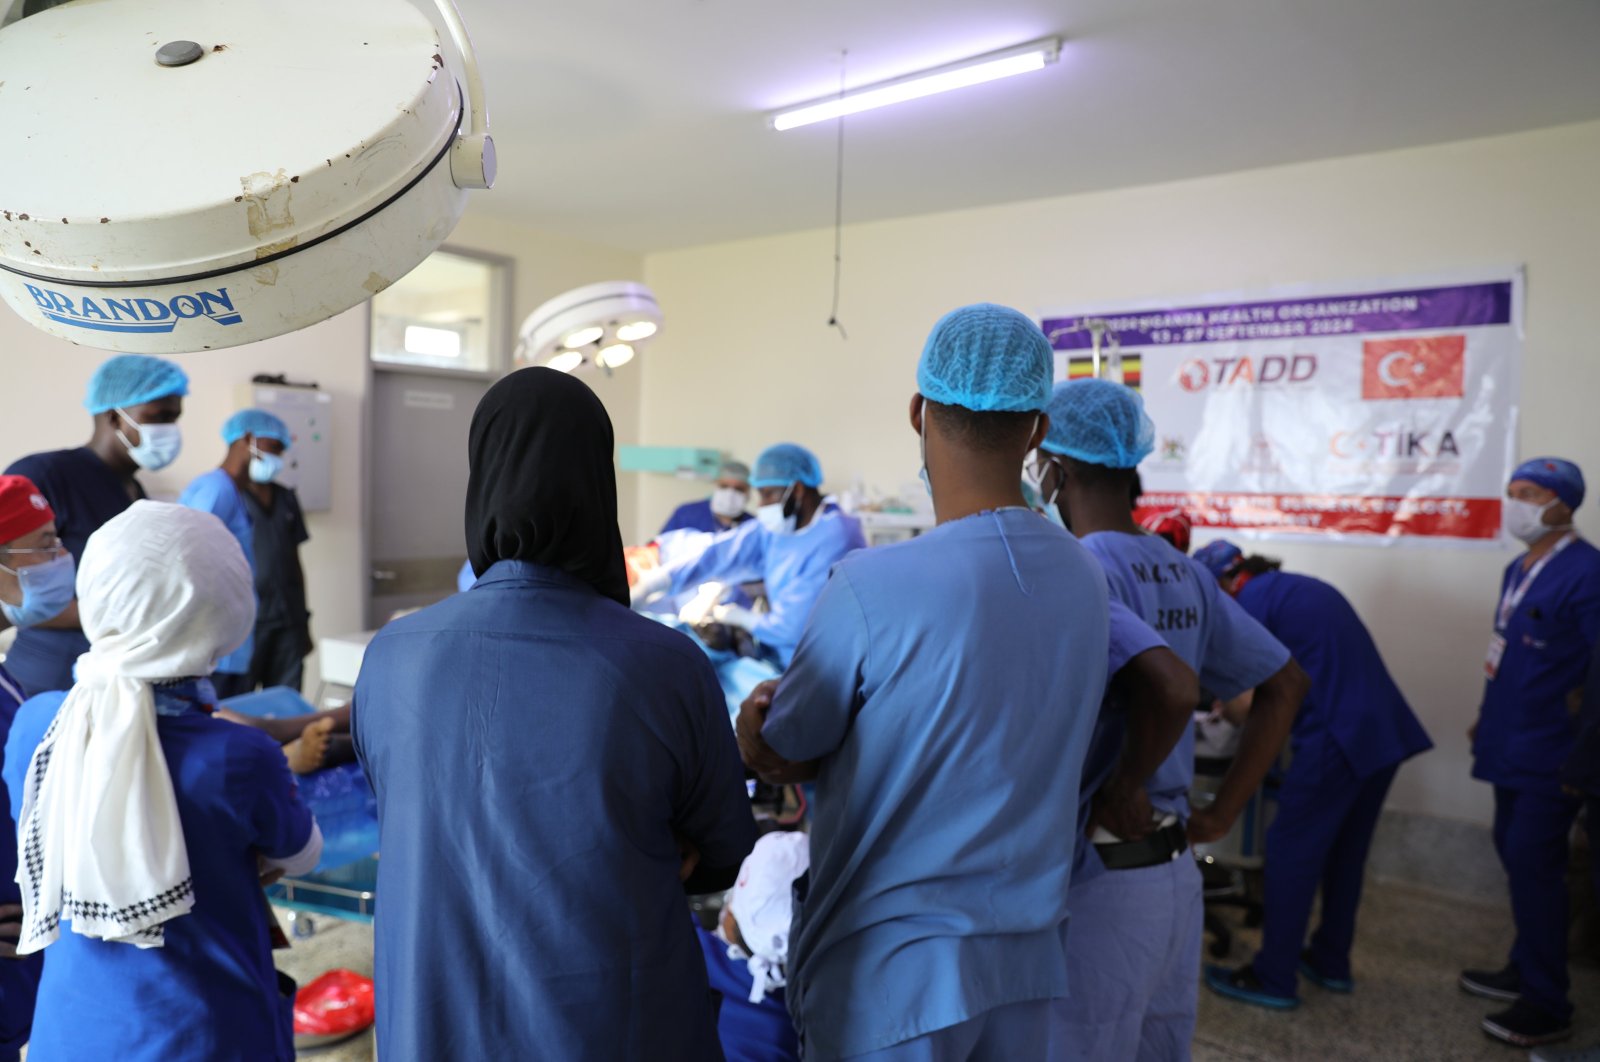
(433,342)
(991,67)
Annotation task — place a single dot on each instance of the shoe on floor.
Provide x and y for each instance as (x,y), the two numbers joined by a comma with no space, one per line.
(1574,1054)
(1342,985)
(1244,986)
(1526,1026)
(1504,985)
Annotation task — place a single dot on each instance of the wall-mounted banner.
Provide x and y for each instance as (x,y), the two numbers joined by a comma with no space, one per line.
(1374,412)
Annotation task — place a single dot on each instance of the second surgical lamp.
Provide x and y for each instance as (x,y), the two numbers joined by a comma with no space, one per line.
(600,324)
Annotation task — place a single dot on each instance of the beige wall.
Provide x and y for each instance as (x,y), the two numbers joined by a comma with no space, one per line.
(45,380)
(747,359)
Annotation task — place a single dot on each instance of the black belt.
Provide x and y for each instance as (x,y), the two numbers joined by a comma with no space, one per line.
(1162,846)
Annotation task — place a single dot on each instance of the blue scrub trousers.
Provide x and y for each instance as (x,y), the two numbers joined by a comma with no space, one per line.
(1531,832)
(1012,1032)
(1133,965)
(1323,831)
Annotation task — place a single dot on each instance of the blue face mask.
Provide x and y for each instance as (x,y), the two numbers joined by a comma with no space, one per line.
(46,589)
(158,447)
(264,468)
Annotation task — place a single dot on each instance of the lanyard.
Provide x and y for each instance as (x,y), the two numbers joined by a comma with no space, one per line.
(1515,592)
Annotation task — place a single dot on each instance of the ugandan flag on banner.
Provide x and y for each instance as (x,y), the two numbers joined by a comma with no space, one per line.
(1081,367)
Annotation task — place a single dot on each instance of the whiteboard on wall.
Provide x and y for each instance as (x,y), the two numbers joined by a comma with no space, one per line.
(308,464)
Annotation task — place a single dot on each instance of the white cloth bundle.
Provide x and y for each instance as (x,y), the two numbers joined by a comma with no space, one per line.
(762,902)
(164,592)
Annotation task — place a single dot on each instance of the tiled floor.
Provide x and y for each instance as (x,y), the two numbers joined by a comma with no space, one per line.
(1406,1005)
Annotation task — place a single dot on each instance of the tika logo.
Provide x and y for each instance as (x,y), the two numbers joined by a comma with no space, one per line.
(1430,367)
(135,314)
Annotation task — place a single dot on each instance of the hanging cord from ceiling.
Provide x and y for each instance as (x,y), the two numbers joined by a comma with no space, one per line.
(838,211)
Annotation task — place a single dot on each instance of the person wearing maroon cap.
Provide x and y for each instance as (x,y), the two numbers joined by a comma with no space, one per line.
(28,548)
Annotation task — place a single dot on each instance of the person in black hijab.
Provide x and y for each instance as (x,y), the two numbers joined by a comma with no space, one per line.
(542,759)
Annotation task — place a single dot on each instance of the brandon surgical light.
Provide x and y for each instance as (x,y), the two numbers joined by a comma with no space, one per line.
(601,324)
(186,175)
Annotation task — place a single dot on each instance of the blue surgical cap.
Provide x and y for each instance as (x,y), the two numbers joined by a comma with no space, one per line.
(257,422)
(786,463)
(1554,474)
(1100,423)
(1219,556)
(132,380)
(986,358)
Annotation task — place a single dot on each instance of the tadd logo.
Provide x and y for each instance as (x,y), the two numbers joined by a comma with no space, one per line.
(1197,374)
(135,314)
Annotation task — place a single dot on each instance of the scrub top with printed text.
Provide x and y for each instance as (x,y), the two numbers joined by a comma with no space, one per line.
(1352,701)
(210,992)
(216,493)
(794,568)
(948,686)
(19,978)
(1208,630)
(85,492)
(1526,729)
(536,749)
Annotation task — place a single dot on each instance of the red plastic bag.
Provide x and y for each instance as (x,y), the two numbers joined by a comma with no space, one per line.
(339,1003)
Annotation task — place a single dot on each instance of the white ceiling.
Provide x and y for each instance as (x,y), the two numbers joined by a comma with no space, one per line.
(639,123)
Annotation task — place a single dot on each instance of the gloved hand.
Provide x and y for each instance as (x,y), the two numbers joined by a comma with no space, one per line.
(736,616)
(650,584)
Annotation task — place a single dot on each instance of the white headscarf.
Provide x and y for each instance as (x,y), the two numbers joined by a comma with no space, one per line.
(164,592)
(762,903)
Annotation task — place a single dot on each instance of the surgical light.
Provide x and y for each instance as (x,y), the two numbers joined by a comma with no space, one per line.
(565,361)
(637,330)
(314,157)
(583,337)
(599,325)
(976,71)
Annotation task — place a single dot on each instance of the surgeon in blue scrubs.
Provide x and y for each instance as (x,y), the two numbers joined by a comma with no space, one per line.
(553,773)
(723,511)
(943,697)
(1350,737)
(135,402)
(794,541)
(1134,952)
(1545,628)
(132,798)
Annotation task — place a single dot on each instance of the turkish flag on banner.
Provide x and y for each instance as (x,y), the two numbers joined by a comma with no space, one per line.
(1429,367)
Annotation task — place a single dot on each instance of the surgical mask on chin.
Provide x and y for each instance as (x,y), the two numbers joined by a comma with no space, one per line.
(159,444)
(922,441)
(1524,520)
(264,468)
(46,589)
(727,502)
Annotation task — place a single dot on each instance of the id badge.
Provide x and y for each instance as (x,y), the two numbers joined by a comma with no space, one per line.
(1497,649)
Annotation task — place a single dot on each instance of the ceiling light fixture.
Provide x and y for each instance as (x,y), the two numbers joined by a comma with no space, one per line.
(589,326)
(991,67)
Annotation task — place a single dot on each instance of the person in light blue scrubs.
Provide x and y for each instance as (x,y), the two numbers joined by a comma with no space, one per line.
(1546,625)
(1134,949)
(553,773)
(794,541)
(256,441)
(943,697)
(135,401)
(1350,737)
